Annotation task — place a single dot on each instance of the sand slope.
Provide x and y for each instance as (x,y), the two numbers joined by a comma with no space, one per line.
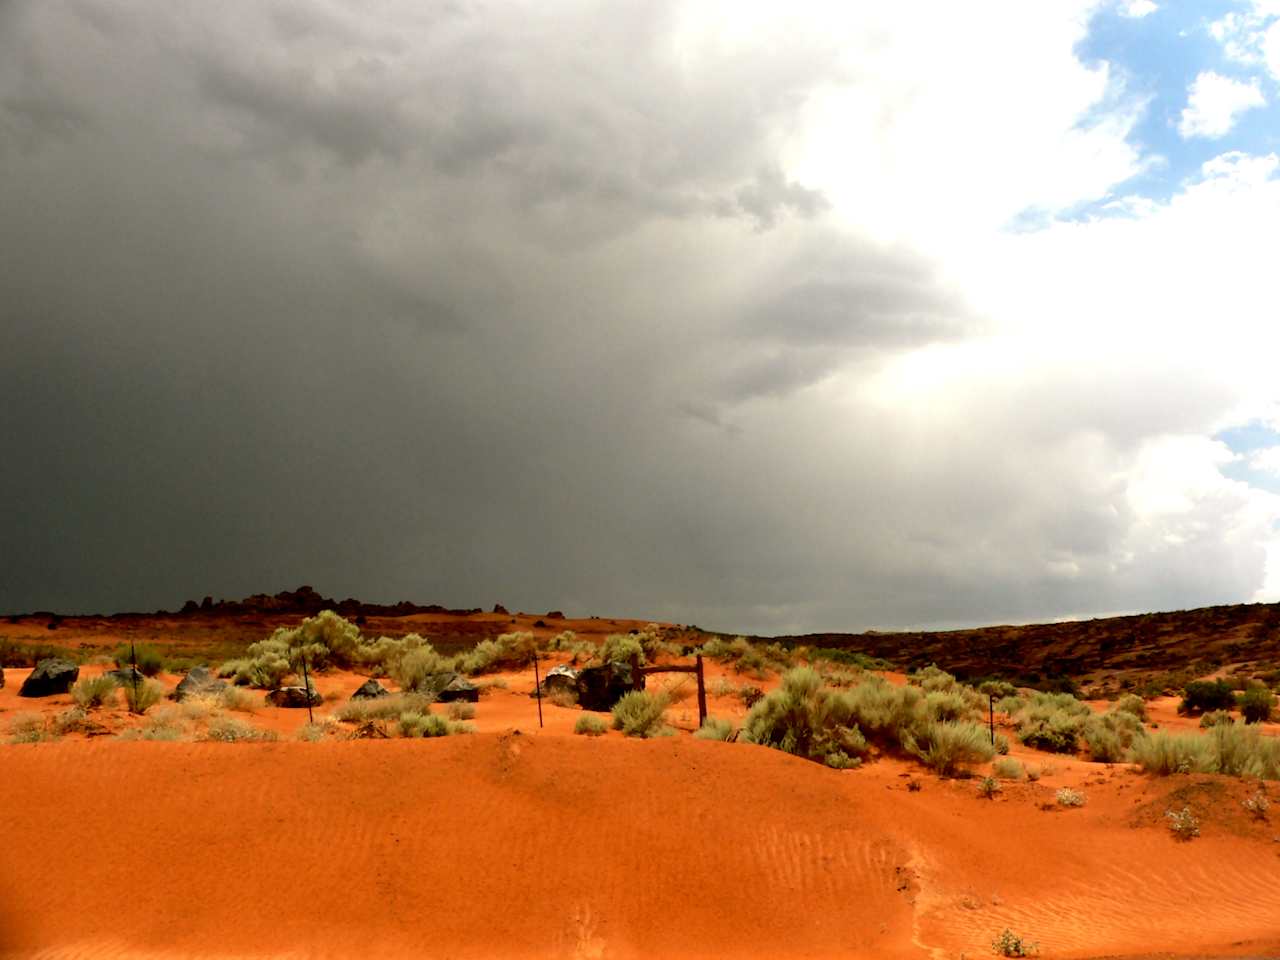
(553,846)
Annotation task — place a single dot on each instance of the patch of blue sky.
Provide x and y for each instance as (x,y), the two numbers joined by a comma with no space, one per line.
(1244,440)
(1153,61)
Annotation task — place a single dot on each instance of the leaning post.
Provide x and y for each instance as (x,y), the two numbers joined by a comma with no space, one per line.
(306,686)
(991,716)
(702,695)
(133,672)
(537,687)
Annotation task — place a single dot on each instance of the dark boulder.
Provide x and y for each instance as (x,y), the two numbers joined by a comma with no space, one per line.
(1,678)
(51,676)
(599,688)
(555,615)
(198,682)
(294,697)
(370,690)
(499,608)
(459,688)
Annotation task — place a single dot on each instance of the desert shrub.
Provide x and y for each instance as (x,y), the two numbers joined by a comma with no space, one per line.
(1256,703)
(315,732)
(29,728)
(507,650)
(1002,744)
(1000,689)
(723,687)
(1032,771)
(1007,768)
(1183,824)
(1215,717)
(805,718)
(750,695)
(850,658)
(93,692)
(226,729)
(1051,721)
(988,787)
(949,705)
(932,679)
(150,660)
(1166,753)
(1009,944)
(1066,797)
(839,760)
(1201,695)
(1110,735)
(589,725)
(1257,805)
(1134,704)
(382,708)
(414,724)
(620,648)
(717,648)
(1010,704)
(162,726)
(461,710)
(841,678)
(946,747)
(565,640)
(414,667)
(238,699)
(1239,750)
(639,713)
(891,715)
(143,696)
(713,728)
(71,720)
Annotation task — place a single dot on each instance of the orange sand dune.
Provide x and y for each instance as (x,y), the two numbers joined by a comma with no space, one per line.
(540,845)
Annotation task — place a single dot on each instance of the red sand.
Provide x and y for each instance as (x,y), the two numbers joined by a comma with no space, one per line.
(555,846)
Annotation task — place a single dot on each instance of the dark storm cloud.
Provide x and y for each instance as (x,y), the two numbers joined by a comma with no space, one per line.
(471,305)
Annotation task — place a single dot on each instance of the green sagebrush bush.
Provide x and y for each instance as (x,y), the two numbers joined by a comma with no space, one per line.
(1256,703)
(1051,721)
(1109,736)
(1201,695)
(1233,749)
(141,697)
(806,718)
(93,692)
(714,728)
(1134,704)
(150,660)
(639,714)
(589,725)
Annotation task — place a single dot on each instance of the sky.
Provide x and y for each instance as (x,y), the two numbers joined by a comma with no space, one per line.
(762,317)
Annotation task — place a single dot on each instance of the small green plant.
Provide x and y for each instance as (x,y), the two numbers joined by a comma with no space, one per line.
(29,728)
(93,692)
(238,699)
(382,708)
(315,732)
(713,728)
(1007,768)
(461,710)
(1216,717)
(1033,772)
(1201,695)
(639,713)
(589,725)
(1134,704)
(143,696)
(1256,703)
(1257,805)
(1066,797)
(953,745)
(1183,824)
(150,660)
(1009,944)
(225,729)
(413,724)
(988,787)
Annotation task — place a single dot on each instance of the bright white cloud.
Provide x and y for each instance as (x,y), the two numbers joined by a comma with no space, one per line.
(1136,9)
(1215,103)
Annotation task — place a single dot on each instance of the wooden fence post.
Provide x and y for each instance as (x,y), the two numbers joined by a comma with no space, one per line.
(702,695)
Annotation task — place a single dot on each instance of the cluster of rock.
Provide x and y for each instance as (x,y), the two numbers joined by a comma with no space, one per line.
(596,688)
(308,601)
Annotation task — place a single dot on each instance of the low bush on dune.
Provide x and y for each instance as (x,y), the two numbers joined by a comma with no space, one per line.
(29,728)
(461,710)
(1215,717)
(415,667)
(1257,805)
(1009,944)
(946,747)
(507,651)
(714,728)
(756,660)
(639,714)
(315,732)
(1233,749)
(1183,824)
(1109,736)
(1201,695)
(1007,768)
(621,648)
(805,718)
(93,692)
(413,724)
(1256,703)
(141,697)
(988,787)
(382,708)
(849,658)
(150,661)
(223,729)
(589,725)
(1051,721)
(1133,704)
(1066,797)
(238,699)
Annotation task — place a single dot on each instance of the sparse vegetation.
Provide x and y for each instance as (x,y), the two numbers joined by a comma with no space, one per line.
(1234,749)
(1134,704)
(1066,797)
(1007,768)
(988,787)
(713,728)
(1256,703)
(91,693)
(1051,721)
(1215,717)
(226,729)
(143,696)
(1257,805)
(639,714)
(1201,695)
(382,708)
(1009,944)
(1183,824)
(461,710)
(589,725)
(29,728)
(150,661)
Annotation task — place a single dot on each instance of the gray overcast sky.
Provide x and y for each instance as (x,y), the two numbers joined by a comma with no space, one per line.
(759,316)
